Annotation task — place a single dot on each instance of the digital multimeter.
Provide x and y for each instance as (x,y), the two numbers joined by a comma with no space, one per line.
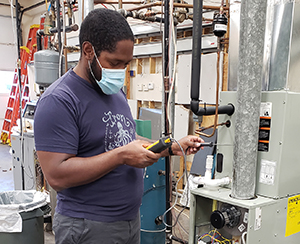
(160,145)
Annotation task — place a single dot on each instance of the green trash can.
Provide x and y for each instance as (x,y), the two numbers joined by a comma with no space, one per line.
(24,204)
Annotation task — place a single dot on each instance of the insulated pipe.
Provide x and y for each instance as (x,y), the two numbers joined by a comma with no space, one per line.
(196,53)
(165,124)
(196,66)
(250,74)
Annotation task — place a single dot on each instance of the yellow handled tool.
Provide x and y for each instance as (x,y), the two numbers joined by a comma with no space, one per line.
(160,145)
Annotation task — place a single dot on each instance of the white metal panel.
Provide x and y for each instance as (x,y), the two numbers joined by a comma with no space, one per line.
(208,78)
(181,122)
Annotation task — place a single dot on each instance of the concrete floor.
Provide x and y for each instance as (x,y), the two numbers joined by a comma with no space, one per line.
(7,184)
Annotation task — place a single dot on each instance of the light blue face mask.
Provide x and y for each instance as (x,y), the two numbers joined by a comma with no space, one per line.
(112,80)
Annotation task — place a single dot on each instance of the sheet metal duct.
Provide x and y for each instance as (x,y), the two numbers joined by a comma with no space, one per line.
(251,47)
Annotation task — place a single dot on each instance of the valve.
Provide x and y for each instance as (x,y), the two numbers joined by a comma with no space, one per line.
(229,216)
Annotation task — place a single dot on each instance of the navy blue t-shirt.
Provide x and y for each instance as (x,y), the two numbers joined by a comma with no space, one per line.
(72,117)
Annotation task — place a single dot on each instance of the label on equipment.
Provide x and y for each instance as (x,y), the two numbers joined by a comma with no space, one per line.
(266,109)
(267,172)
(220,27)
(264,126)
(293,216)
(242,227)
(257,223)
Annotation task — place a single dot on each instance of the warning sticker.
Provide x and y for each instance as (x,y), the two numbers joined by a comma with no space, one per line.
(293,216)
(267,172)
(264,126)
(266,109)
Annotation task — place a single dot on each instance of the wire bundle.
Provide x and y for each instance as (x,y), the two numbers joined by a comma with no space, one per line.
(215,237)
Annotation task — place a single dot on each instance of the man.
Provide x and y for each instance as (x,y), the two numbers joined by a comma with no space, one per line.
(85,139)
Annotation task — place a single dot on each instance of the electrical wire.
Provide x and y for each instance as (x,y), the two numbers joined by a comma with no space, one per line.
(172,78)
(103,5)
(182,213)
(153,231)
(176,198)
(174,232)
(152,189)
(243,237)
(215,237)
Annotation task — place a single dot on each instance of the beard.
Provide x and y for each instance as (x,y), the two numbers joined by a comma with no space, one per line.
(97,73)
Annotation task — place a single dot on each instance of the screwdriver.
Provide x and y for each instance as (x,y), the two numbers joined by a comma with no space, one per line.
(211,144)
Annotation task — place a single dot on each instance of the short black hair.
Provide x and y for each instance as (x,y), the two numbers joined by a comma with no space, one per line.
(104,28)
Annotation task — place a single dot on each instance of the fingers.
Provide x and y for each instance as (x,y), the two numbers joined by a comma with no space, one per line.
(192,144)
(138,156)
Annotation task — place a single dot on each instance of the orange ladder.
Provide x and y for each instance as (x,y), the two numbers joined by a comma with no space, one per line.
(12,110)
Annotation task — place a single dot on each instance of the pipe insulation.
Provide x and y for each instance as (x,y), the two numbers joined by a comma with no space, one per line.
(250,74)
(196,67)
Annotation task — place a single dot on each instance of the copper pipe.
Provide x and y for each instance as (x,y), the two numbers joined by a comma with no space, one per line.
(177,5)
(120,5)
(116,2)
(82,14)
(208,127)
(148,5)
(185,5)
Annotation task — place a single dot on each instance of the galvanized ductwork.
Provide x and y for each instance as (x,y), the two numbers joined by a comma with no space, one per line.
(251,49)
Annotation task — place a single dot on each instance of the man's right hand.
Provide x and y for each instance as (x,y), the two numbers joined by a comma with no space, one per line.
(136,155)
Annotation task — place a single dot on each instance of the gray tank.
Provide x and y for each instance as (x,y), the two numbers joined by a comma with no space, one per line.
(46,64)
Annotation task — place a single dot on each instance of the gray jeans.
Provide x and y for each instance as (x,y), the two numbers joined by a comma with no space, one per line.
(70,230)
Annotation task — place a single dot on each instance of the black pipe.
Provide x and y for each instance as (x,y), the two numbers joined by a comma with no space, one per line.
(59,34)
(33,6)
(39,35)
(175,238)
(166,92)
(68,29)
(200,111)
(20,93)
(196,66)
(196,50)
(58,25)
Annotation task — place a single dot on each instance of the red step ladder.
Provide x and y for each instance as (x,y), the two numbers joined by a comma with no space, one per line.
(13,105)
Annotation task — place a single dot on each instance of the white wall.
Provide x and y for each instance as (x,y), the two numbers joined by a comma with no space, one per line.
(8,51)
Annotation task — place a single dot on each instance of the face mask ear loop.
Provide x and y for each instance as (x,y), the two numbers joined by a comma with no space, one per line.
(92,71)
(97,58)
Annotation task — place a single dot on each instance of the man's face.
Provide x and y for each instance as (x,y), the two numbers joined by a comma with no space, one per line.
(120,58)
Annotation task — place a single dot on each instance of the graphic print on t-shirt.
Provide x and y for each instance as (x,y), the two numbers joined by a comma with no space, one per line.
(119,130)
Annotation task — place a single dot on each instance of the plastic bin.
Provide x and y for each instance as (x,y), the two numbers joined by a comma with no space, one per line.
(21,219)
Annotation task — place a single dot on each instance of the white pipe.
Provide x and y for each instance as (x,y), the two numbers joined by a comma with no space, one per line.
(212,183)
(207,180)
(209,166)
